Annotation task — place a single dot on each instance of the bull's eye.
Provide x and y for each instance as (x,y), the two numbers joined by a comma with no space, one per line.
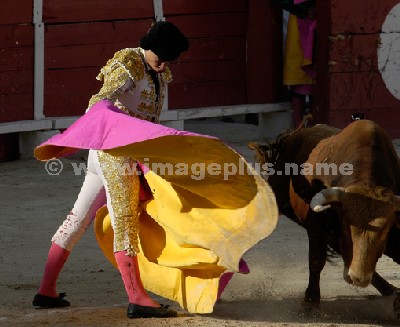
(373,228)
(378,224)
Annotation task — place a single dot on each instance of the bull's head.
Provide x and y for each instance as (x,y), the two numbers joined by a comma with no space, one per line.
(366,216)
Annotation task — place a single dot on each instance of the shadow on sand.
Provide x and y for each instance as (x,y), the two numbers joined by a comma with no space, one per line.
(371,310)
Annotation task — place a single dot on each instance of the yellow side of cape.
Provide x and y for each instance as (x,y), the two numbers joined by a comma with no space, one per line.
(194,230)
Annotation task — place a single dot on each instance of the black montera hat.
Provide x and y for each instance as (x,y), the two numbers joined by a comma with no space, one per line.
(165,40)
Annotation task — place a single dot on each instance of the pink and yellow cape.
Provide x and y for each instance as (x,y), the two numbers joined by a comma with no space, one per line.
(208,206)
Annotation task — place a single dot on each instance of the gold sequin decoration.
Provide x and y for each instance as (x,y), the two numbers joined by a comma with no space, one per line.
(114,85)
(123,186)
(119,76)
(153,119)
(149,109)
(131,60)
(125,66)
(149,95)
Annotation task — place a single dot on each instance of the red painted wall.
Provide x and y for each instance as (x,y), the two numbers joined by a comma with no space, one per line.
(233,57)
(235,54)
(218,58)
(75,52)
(215,71)
(264,52)
(16,70)
(16,61)
(348,76)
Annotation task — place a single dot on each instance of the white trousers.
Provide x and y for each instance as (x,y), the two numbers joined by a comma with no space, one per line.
(102,185)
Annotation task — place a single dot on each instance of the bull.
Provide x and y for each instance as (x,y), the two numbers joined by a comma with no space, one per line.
(348,205)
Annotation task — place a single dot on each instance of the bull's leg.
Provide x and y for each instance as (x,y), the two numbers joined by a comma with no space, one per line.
(396,306)
(317,259)
(382,285)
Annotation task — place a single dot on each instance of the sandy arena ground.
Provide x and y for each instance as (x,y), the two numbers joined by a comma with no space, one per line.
(34,203)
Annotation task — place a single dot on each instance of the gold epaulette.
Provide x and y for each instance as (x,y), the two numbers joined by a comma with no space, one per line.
(129,59)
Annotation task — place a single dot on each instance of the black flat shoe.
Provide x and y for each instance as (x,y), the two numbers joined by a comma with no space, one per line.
(44,301)
(140,311)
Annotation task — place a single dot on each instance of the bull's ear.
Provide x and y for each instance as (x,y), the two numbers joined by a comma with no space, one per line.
(323,199)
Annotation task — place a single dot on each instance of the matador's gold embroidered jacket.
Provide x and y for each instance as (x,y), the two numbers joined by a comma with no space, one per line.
(127,82)
(129,85)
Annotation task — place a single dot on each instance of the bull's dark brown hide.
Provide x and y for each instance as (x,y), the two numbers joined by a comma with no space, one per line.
(375,178)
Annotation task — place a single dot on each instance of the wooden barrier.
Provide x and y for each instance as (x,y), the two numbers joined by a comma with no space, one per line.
(233,65)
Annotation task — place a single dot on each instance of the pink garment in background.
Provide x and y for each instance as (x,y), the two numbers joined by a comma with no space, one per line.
(307,27)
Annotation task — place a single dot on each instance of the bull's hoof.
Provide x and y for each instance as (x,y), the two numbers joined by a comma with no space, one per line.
(312,297)
(308,303)
(389,291)
(309,313)
(309,309)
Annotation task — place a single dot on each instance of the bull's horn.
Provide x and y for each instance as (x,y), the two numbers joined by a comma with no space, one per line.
(321,201)
(396,202)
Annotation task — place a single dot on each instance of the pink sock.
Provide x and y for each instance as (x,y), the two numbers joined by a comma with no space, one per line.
(55,261)
(129,269)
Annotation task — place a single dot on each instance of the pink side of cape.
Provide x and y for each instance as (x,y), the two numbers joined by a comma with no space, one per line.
(105,126)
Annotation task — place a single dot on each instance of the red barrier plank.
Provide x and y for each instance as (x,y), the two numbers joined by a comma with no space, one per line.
(16,12)
(211,49)
(264,53)
(128,32)
(204,94)
(16,82)
(14,108)
(211,25)
(229,48)
(65,105)
(15,36)
(76,56)
(208,71)
(16,59)
(384,117)
(70,81)
(358,16)
(359,91)
(387,118)
(180,7)
(56,11)
(354,53)
(67,91)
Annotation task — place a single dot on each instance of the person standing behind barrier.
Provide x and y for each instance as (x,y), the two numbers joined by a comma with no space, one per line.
(299,63)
